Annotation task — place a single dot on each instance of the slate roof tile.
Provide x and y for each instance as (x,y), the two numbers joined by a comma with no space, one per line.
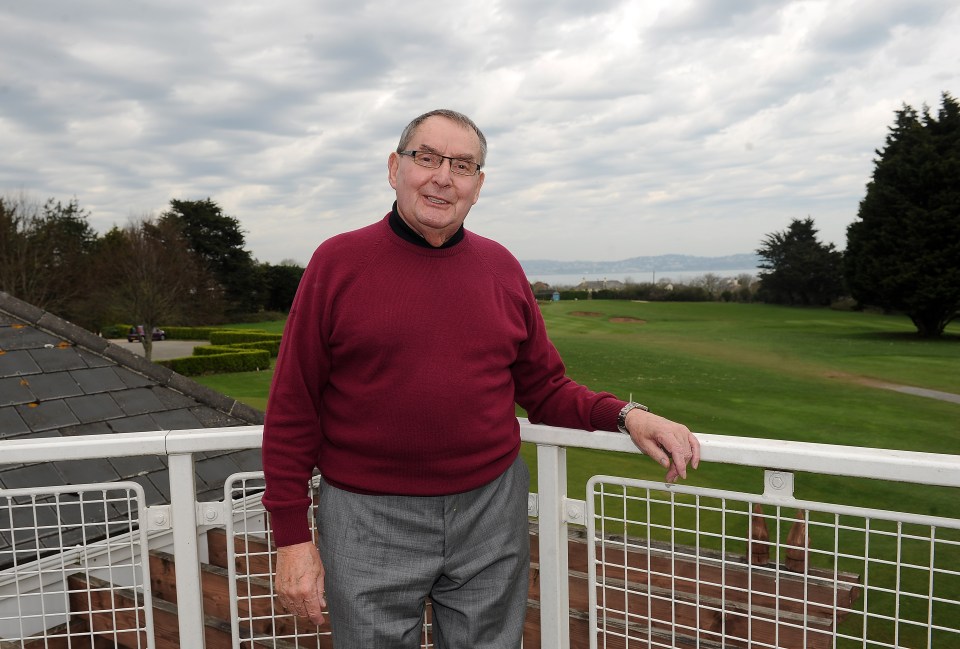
(128,467)
(19,336)
(131,379)
(52,385)
(17,363)
(97,379)
(181,419)
(11,423)
(138,402)
(87,471)
(46,415)
(136,424)
(31,475)
(14,390)
(249,460)
(95,407)
(93,428)
(93,360)
(58,359)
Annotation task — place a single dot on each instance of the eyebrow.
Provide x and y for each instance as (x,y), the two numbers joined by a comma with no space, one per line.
(462,156)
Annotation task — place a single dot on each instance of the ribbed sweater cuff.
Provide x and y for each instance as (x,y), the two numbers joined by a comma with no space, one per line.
(604,414)
(290,526)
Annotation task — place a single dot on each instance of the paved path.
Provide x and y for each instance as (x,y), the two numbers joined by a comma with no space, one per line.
(163,349)
(920,392)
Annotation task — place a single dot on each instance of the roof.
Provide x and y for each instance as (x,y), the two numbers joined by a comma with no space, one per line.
(60,380)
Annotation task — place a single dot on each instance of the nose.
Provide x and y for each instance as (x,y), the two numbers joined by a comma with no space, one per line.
(443,174)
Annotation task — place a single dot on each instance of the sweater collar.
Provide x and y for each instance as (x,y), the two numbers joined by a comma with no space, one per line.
(405,232)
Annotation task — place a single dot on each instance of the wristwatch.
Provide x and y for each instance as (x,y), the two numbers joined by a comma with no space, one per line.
(622,417)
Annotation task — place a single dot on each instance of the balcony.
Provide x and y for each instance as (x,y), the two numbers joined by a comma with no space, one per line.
(632,564)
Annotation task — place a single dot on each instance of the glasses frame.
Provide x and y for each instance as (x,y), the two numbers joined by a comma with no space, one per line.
(413,154)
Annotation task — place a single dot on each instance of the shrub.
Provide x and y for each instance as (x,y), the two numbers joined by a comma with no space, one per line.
(237,336)
(232,361)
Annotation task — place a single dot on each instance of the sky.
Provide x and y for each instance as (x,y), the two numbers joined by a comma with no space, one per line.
(615,129)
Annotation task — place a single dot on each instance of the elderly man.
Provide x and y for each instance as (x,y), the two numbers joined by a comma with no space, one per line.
(408,344)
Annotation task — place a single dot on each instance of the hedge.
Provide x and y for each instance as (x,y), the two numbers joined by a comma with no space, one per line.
(271,346)
(232,361)
(236,336)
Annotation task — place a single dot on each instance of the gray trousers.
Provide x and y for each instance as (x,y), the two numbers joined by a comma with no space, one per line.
(469,553)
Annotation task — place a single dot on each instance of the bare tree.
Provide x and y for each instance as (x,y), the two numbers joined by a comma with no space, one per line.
(155,277)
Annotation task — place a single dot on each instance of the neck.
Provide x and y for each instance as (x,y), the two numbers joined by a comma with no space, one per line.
(402,228)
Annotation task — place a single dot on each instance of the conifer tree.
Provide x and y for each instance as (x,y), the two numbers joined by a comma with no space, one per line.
(903,251)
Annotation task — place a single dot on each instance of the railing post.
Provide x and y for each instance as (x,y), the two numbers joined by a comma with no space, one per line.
(554,584)
(183,500)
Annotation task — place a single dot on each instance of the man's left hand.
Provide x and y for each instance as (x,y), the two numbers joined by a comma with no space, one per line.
(670,444)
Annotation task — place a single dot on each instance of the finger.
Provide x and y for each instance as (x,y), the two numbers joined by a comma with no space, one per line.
(695,448)
(653,450)
(680,458)
(320,587)
(672,475)
(313,609)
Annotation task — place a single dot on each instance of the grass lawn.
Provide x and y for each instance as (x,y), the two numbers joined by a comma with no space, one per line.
(754,371)
(748,370)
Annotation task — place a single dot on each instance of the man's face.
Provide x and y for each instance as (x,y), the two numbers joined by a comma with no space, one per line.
(435,202)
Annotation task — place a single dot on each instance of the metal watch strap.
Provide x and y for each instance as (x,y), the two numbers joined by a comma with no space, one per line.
(622,417)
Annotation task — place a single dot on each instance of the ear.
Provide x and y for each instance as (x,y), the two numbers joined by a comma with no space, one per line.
(393,163)
(476,194)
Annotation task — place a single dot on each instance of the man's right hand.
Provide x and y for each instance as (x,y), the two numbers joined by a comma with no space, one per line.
(299,581)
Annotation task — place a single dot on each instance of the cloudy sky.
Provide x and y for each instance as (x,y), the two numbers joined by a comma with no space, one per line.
(616,129)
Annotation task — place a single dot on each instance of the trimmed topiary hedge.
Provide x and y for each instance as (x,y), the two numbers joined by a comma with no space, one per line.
(237,336)
(226,361)
(270,346)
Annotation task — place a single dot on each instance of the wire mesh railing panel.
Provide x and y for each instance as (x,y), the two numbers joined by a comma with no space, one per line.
(251,555)
(74,571)
(682,566)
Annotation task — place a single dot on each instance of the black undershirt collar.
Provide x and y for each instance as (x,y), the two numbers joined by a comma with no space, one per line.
(405,232)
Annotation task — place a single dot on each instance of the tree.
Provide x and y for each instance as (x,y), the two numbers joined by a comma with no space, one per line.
(903,251)
(46,254)
(803,271)
(218,241)
(154,277)
(280,284)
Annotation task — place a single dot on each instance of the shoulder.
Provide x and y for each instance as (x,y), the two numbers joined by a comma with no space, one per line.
(349,247)
(350,242)
(499,261)
(344,255)
(493,252)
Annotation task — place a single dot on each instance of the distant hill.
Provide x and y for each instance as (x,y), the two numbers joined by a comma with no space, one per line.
(659,263)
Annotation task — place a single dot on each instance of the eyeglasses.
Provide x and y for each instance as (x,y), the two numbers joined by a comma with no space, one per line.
(432,160)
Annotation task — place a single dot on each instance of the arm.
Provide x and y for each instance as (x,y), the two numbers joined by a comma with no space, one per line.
(292,435)
(550,397)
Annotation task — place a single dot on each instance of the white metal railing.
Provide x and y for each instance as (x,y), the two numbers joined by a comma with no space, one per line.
(693,528)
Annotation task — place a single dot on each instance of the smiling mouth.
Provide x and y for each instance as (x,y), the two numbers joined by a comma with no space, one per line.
(436,201)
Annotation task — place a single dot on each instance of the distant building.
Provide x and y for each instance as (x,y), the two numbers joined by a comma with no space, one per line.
(601,285)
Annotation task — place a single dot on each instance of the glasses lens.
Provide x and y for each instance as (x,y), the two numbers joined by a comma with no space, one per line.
(463,167)
(434,160)
(425,159)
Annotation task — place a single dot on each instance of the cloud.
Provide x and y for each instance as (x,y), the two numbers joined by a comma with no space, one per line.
(616,128)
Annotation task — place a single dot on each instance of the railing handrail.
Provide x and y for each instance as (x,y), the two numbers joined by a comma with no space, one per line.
(553,507)
(932,469)
(832,459)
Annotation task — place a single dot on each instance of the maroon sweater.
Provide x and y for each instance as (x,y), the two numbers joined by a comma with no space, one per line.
(399,369)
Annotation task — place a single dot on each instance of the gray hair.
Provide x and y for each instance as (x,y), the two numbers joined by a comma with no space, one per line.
(452,115)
